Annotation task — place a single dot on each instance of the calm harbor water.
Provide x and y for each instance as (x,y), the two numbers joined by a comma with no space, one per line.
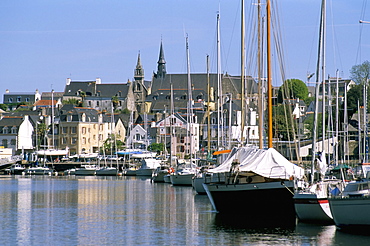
(69,210)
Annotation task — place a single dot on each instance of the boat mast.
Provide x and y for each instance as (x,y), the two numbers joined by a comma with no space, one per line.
(260,98)
(317,90)
(219,84)
(208,112)
(269,75)
(171,124)
(189,108)
(242,77)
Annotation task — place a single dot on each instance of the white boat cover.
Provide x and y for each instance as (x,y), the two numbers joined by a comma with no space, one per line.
(267,163)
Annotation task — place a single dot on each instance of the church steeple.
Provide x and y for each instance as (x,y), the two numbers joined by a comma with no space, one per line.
(139,71)
(161,73)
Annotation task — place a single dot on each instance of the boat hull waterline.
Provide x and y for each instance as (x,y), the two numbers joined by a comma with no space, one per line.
(269,202)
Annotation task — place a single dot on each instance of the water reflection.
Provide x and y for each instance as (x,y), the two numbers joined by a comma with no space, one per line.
(131,210)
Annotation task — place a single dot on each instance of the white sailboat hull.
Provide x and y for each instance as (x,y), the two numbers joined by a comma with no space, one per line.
(182,179)
(312,207)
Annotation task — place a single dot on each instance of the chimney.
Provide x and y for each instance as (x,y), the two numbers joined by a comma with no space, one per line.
(68,81)
(7,91)
(98,80)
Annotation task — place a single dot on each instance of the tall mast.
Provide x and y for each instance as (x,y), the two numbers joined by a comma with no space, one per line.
(171,124)
(260,97)
(219,85)
(317,90)
(269,75)
(208,111)
(242,77)
(189,108)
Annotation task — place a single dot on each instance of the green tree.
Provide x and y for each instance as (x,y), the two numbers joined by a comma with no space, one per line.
(156,147)
(3,107)
(292,89)
(282,127)
(361,73)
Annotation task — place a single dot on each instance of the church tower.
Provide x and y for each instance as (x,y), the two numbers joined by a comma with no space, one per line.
(139,89)
(161,72)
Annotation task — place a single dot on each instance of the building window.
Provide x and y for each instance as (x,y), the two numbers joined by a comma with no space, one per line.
(5,143)
(64,140)
(64,130)
(19,99)
(14,130)
(69,118)
(138,137)
(13,142)
(27,99)
(73,130)
(97,103)
(73,140)
(5,130)
(83,130)
(10,99)
(83,140)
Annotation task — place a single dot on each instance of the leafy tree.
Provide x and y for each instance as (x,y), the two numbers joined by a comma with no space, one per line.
(282,127)
(292,89)
(111,144)
(156,147)
(361,73)
(3,107)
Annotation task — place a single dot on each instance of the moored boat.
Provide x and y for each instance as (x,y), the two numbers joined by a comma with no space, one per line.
(17,169)
(107,171)
(39,171)
(262,184)
(86,170)
(351,209)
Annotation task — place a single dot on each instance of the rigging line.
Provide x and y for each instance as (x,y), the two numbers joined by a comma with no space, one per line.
(358,55)
(231,37)
(279,49)
(335,40)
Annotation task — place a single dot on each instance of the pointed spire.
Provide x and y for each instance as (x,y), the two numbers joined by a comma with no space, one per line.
(139,71)
(161,73)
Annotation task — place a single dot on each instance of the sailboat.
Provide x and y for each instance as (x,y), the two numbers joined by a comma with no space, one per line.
(109,170)
(186,171)
(260,183)
(311,204)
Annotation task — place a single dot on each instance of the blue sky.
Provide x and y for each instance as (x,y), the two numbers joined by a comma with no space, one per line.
(43,42)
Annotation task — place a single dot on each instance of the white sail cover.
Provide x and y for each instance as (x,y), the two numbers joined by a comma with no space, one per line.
(267,163)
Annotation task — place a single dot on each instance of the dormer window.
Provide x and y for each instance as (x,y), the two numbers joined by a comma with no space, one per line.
(19,99)
(10,100)
(14,130)
(83,118)
(69,118)
(5,130)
